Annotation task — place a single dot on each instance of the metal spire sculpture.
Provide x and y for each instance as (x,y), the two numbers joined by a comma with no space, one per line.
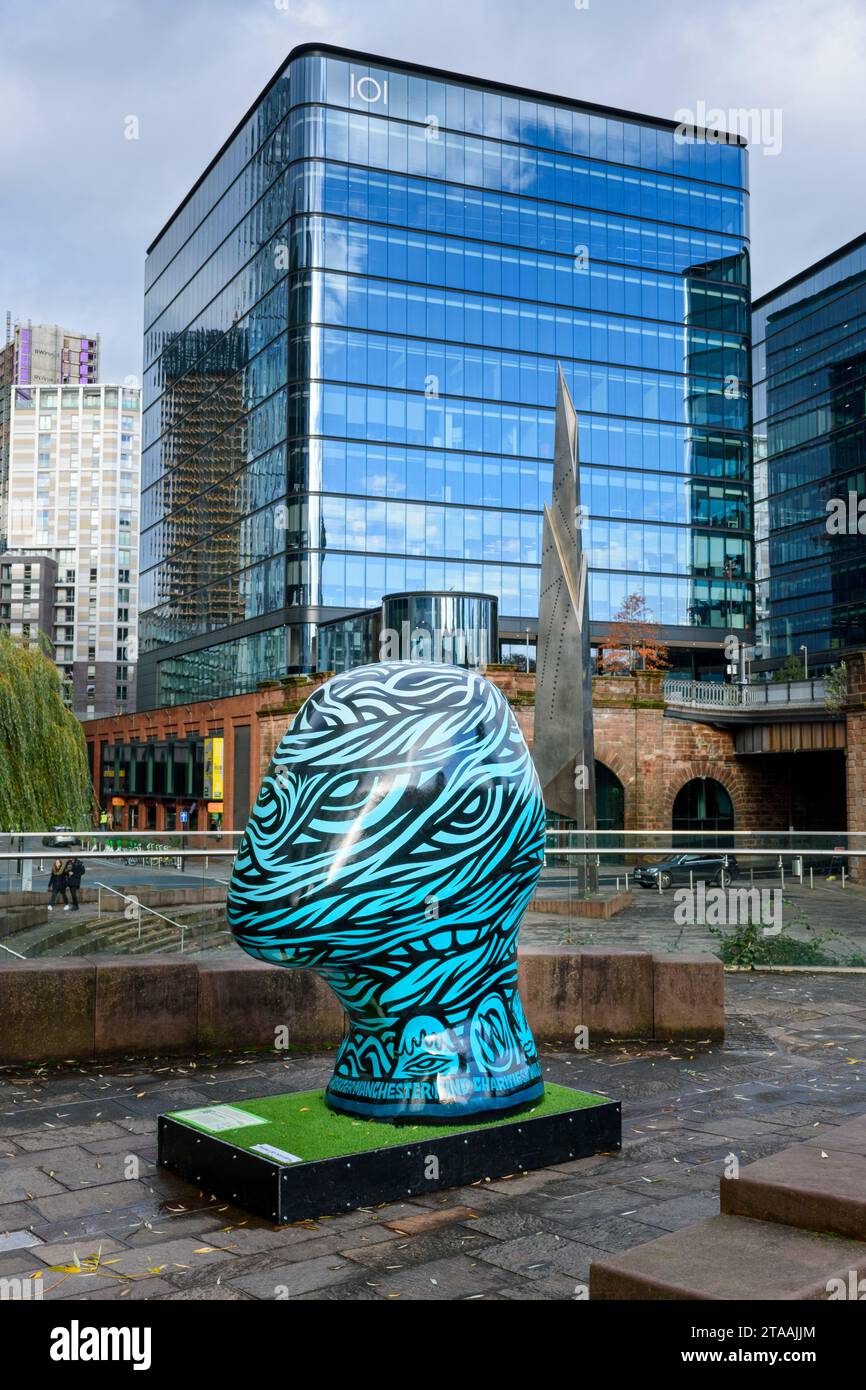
(563,743)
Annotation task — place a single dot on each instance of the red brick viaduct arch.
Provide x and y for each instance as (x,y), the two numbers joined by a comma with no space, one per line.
(654,758)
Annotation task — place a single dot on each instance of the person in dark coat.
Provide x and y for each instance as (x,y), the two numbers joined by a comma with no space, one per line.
(74,872)
(57,884)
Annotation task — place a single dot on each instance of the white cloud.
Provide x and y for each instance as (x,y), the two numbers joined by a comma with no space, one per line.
(84,202)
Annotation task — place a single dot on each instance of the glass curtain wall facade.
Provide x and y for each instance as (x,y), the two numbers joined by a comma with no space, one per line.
(810,450)
(353,325)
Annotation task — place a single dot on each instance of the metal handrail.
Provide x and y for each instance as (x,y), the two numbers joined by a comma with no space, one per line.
(176,853)
(113,834)
(230,853)
(131,898)
(594,835)
(714,850)
(116,834)
(11,952)
(834,834)
(153,837)
(718,695)
(797,856)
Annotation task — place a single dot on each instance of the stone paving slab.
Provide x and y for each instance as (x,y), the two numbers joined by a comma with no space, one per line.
(129,1293)
(289,1280)
(77,1167)
(678,1212)
(455,1276)
(425,1222)
(45,1136)
(781,1077)
(221,1292)
(32,1117)
(15,1216)
(388,1256)
(23,1184)
(18,1263)
(65,1251)
(205,1225)
(595,1203)
(90,1200)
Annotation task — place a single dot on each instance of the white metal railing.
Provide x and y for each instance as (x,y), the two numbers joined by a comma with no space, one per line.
(111,854)
(837,852)
(715,695)
(17,954)
(711,831)
(795,856)
(139,905)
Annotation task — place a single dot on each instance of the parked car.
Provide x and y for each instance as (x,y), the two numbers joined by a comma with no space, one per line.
(61,837)
(712,866)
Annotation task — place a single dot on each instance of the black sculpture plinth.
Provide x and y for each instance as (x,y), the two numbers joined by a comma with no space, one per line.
(291,1158)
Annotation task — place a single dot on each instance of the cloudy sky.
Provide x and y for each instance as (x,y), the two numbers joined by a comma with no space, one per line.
(80,202)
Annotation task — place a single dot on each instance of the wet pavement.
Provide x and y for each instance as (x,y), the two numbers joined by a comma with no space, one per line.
(84,1208)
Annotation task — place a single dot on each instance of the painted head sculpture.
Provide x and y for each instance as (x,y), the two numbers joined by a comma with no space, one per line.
(395,842)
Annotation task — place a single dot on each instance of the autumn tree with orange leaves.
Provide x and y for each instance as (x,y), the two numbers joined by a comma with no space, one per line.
(632,643)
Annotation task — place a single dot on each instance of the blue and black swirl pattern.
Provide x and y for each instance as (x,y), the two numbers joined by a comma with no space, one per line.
(395,842)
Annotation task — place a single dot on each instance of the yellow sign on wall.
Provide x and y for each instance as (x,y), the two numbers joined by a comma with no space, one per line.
(214,752)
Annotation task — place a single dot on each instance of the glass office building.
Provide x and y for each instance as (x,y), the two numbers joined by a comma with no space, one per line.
(352,330)
(810,450)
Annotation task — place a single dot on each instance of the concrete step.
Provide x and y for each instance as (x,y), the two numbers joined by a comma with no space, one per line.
(64,935)
(71,945)
(819,1185)
(69,926)
(49,938)
(69,934)
(731,1258)
(18,919)
(155,944)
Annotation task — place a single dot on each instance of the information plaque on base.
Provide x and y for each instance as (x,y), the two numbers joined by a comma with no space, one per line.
(291,1158)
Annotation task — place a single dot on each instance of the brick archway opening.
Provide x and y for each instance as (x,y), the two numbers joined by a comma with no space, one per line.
(609,797)
(613,761)
(610,810)
(727,777)
(704,806)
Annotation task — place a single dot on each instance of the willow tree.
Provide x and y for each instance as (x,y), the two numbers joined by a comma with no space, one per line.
(44,777)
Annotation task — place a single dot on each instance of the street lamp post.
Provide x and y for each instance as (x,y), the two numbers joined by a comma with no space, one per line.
(805,650)
(731,569)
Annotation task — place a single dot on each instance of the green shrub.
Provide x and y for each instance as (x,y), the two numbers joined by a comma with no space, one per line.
(749,946)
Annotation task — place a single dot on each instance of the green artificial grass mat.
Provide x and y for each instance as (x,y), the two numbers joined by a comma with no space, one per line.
(303,1125)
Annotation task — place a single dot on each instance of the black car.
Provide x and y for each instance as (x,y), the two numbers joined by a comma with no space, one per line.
(712,866)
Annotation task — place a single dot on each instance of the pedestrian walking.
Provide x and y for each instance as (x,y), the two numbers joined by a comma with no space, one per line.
(57,884)
(74,872)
